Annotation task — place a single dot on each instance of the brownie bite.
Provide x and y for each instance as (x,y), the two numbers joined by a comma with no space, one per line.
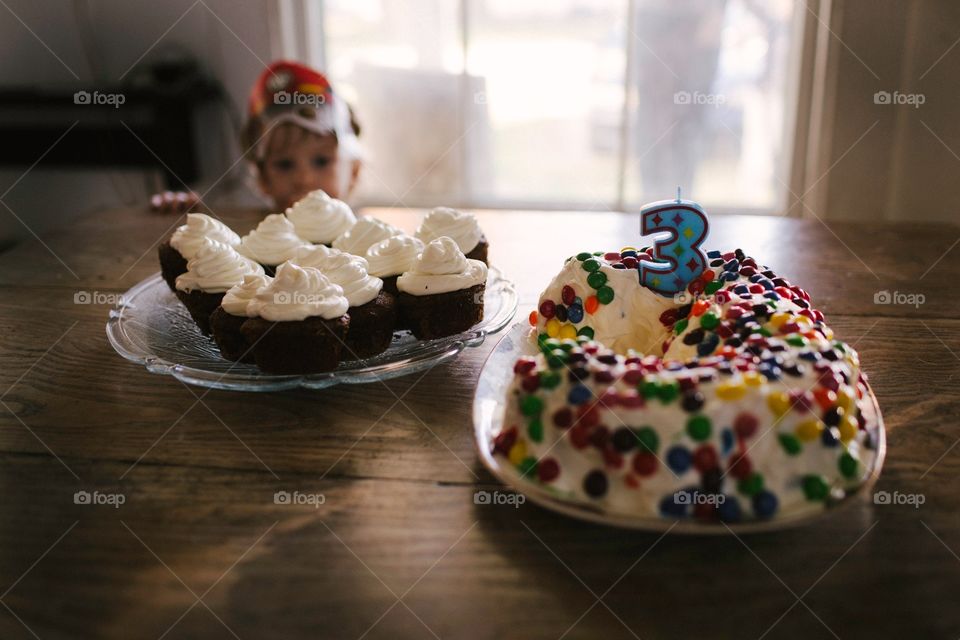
(201,306)
(443,294)
(479,252)
(441,314)
(172,264)
(228,318)
(311,345)
(460,226)
(372,311)
(390,284)
(210,273)
(371,327)
(225,328)
(175,252)
(300,323)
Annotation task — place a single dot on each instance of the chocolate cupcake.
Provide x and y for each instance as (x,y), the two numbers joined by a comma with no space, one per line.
(300,323)
(233,311)
(320,219)
(389,258)
(187,240)
(462,227)
(272,243)
(363,235)
(373,311)
(443,294)
(210,273)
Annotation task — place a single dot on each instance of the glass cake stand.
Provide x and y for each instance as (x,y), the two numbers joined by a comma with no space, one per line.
(488,416)
(150,326)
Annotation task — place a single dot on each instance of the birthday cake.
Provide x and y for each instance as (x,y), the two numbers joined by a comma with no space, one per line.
(729,400)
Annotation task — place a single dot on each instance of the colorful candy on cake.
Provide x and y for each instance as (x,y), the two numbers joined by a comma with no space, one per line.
(327,303)
(730,401)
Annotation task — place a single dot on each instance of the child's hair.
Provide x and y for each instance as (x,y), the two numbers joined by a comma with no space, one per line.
(283,135)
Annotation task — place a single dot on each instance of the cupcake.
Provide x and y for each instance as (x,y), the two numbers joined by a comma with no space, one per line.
(443,293)
(299,324)
(462,227)
(389,258)
(363,235)
(272,243)
(373,311)
(233,311)
(187,240)
(320,219)
(210,273)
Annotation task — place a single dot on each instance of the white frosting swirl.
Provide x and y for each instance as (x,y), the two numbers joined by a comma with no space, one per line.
(188,238)
(394,255)
(442,268)
(350,272)
(312,255)
(444,221)
(236,301)
(319,218)
(273,241)
(363,235)
(298,293)
(215,268)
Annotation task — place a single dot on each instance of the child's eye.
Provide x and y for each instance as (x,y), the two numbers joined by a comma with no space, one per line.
(321,161)
(283,165)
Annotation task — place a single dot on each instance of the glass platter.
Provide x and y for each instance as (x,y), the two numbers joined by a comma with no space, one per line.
(150,326)
(488,415)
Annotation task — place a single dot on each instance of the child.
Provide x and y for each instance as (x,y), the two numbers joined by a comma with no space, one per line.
(299,137)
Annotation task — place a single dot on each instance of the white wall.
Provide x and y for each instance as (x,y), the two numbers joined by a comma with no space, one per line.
(123,30)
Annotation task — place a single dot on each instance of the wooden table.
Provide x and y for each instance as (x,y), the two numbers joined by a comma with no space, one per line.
(199,549)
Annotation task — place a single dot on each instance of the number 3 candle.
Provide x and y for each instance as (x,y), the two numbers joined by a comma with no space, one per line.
(678,259)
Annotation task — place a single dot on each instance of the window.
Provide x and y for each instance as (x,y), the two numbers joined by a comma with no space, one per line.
(600,104)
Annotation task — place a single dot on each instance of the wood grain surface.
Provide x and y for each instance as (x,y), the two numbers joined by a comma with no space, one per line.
(398,549)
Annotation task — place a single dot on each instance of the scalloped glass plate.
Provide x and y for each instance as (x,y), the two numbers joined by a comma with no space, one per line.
(488,414)
(150,326)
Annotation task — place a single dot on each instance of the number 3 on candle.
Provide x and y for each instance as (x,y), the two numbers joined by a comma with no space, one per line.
(679,260)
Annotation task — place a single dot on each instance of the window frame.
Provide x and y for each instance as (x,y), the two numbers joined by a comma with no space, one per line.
(298,31)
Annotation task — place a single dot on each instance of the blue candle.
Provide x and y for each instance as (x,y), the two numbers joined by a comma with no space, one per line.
(678,260)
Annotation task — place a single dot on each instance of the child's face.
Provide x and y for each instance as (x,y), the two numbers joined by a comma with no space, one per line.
(298,161)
